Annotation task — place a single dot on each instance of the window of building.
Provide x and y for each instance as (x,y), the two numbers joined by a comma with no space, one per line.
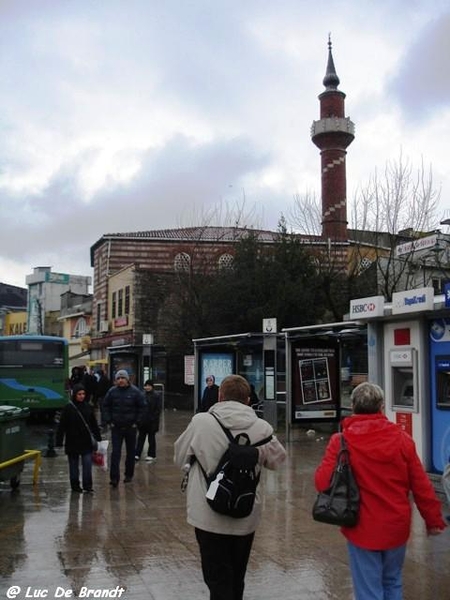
(182,262)
(99,315)
(120,303)
(114,305)
(127,300)
(226,261)
(81,328)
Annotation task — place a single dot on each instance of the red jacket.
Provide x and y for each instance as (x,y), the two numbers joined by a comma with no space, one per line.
(386,467)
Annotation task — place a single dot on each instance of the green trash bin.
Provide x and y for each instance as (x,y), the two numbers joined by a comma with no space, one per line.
(12,441)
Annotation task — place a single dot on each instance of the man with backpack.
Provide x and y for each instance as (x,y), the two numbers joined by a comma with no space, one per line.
(221,464)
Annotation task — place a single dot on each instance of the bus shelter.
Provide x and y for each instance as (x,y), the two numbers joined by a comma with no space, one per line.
(323,364)
(259,357)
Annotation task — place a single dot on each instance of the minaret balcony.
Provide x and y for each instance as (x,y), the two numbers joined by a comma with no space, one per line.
(333,125)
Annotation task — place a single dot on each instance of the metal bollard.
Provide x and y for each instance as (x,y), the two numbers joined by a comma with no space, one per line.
(50,452)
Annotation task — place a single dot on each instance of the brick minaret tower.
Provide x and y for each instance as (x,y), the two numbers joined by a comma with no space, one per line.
(332,134)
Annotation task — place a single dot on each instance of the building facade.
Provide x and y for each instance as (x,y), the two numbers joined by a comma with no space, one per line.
(44,298)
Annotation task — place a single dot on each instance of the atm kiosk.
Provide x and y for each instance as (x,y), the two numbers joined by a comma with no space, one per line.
(439,339)
(406,365)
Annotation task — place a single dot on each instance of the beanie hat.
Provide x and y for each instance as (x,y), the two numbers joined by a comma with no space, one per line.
(149,382)
(122,373)
(77,388)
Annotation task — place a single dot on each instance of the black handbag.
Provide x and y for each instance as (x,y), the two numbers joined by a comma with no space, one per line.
(339,504)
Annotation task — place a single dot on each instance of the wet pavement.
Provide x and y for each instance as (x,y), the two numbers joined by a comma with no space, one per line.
(56,544)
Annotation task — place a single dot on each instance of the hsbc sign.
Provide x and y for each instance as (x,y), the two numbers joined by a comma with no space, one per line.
(367,308)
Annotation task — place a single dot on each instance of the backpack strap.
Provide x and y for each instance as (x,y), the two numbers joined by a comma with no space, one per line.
(232,438)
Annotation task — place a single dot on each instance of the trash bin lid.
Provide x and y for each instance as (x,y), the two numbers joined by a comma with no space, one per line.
(12,412)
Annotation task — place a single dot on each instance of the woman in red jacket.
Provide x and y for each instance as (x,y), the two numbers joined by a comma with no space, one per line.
(386,468)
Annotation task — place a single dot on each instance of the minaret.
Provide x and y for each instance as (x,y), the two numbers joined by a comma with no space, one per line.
(332,134)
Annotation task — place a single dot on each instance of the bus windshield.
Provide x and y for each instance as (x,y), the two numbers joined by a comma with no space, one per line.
(31,353)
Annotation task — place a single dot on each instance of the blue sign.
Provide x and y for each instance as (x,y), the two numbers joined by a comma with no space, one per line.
(447,294)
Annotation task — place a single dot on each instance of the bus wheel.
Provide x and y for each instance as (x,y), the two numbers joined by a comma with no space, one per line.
(15,482)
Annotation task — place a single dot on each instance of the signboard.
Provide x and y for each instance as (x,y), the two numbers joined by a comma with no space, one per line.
(189,369)
(405,422)
(425,243)
(57,278)
(147,339)
(412,301)
(315,380)
(447,295)
(270,325)
(367,308)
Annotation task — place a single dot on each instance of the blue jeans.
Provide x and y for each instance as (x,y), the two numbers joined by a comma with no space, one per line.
(118,435)
(377,574)
(74,470)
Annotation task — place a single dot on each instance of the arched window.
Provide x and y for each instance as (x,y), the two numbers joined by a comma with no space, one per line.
(81,328)
(226,261)
(182,262)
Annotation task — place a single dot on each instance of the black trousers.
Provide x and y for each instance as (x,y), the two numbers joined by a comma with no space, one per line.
(224,563)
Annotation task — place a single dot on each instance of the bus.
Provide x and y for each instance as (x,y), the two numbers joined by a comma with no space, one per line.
(34,372)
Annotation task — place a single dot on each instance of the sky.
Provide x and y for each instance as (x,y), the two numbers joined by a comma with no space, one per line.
(134,115)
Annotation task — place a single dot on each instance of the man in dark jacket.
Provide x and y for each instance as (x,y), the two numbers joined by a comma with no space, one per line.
(122,410)
(149,424)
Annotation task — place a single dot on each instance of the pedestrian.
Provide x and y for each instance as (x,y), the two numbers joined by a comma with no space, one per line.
(210,394)
(77,425)
(387,468)
(149,424)
(225,542)
(122,410)
(101,389)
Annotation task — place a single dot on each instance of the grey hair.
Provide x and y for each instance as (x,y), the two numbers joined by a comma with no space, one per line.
(367,398)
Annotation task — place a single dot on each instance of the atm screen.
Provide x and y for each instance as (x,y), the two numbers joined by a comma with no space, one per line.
(443,382)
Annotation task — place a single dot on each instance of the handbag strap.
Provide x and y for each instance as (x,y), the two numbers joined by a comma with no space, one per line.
(82,418)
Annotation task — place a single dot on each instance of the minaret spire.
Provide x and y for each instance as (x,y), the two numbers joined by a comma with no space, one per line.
(331,80)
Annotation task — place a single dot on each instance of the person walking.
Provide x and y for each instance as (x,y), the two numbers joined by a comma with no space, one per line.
(77,423)
(122,410)
(210,394)
(225,542)
(149,424)
(387,468)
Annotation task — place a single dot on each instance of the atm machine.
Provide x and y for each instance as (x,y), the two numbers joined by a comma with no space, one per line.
(406,379)
(439,336)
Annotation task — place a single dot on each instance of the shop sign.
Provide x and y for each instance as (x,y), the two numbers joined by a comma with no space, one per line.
(412,301)
(367,308)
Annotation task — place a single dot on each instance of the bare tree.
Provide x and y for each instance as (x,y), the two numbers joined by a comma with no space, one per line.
(395,207)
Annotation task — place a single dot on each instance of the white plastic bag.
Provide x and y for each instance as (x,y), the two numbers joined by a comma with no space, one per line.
(100,456)
(446,482)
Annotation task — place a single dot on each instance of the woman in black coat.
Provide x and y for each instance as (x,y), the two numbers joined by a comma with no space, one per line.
(78,425)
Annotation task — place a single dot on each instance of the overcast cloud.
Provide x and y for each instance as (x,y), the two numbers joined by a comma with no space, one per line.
(147,114)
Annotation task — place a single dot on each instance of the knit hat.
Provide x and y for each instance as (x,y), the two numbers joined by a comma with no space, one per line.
(77,388)
(122,373)
(149,382)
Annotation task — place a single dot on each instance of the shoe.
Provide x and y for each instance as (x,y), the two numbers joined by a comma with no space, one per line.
(88,490)
(113,483)
(136,458)
(150,459)
(127,479)
(77,489)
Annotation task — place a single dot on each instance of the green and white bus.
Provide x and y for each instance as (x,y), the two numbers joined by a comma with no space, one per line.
(34,372)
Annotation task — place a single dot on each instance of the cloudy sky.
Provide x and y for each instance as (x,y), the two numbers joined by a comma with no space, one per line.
(128,115)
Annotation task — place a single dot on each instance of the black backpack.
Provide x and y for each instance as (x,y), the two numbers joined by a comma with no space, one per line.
(231,489)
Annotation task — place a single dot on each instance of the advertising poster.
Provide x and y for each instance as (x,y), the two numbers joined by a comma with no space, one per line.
(315,385)
(219,364)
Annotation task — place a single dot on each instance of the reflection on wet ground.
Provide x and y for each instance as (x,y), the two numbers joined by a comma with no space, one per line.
(135,537)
